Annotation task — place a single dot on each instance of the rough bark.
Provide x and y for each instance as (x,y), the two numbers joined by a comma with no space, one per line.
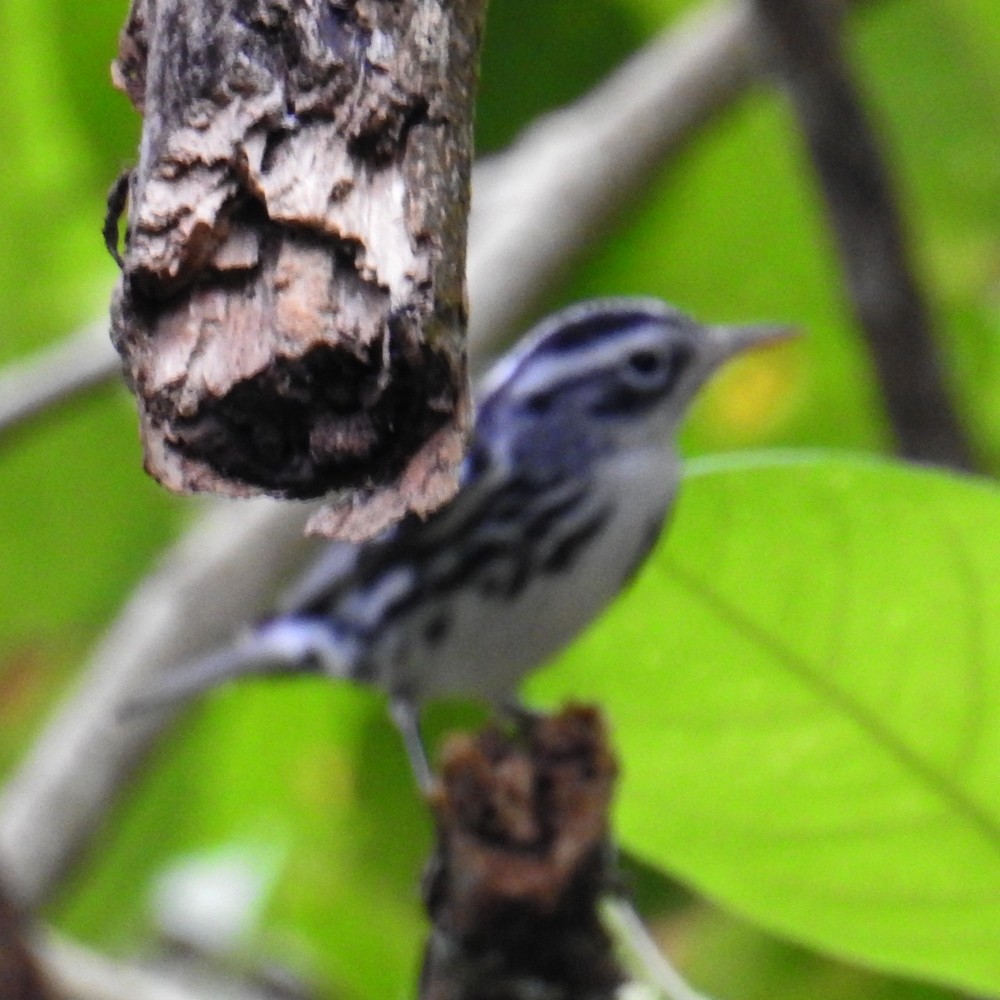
(522,860)
(291,310)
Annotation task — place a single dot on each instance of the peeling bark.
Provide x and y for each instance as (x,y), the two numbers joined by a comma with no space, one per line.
(522,860)
(291,311)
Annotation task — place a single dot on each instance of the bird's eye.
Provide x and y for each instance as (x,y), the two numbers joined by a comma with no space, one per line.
(644,362)
(539,402)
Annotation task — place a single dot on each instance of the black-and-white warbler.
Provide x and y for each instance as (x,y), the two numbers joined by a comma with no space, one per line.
(570,473)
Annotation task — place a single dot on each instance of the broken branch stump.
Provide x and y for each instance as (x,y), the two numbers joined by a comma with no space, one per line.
(291,310)
(522,861)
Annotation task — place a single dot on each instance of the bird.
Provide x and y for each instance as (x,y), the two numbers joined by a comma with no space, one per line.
(569,476)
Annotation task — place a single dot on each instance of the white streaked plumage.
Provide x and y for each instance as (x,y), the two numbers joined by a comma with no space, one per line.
(570,474)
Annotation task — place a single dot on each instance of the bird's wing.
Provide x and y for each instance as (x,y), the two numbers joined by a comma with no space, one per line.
(329,571)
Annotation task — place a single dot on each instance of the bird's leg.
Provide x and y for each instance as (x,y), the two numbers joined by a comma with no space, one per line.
(519,715)
(406,715)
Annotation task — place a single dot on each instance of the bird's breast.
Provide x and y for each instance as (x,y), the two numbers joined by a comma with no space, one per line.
(519,596)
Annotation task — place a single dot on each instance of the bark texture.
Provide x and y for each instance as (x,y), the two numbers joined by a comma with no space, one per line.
(291,311)
(522,860)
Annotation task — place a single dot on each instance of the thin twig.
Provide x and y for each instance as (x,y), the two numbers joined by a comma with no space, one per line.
(74,972)
(804,41)
(644,955)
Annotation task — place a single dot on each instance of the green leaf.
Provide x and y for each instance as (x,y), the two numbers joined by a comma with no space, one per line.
(805,690)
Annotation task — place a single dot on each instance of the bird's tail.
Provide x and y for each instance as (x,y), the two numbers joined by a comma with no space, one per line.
(278,648)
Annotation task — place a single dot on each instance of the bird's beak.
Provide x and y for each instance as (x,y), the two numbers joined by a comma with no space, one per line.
(717,344)
(725,342)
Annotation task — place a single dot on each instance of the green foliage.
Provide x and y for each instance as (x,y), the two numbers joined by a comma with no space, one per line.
(803,684)
(821,752)
(80,521)
(307,774)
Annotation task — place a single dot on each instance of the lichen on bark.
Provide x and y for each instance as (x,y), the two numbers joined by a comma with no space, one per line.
(291,309)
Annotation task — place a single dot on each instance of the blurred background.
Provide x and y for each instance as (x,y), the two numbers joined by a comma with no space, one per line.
(732,228)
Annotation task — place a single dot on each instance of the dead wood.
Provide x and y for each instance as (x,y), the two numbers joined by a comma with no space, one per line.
(522,860)
(291,310)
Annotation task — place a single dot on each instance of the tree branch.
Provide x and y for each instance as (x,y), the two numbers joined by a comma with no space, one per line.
(69,368)
(522,860)
(224,569)
(523,890)
(804,41)
(291,312)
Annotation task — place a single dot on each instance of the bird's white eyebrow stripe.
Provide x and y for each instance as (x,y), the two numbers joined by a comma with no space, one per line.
(580,361)
(623,316)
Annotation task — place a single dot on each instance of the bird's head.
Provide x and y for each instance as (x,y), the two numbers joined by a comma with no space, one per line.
(603,376)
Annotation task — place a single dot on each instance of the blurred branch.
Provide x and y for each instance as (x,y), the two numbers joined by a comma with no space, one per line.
(803,39)
(77,973)
(65,370)
(643,953)
(224,569)
(537,206)
(589,159)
